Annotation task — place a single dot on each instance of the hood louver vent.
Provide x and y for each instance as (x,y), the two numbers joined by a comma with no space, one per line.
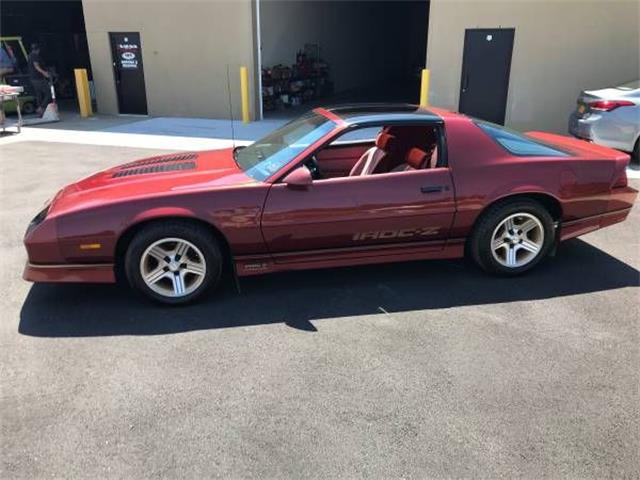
(177,157)
(167,167)
(164,163)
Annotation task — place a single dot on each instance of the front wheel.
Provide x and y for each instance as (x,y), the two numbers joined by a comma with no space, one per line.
(513,237)
(173,262)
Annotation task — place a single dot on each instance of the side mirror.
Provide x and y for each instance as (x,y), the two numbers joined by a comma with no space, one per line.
(299,179)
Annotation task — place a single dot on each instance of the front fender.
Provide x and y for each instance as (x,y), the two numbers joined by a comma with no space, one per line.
(91,236)
(159,212)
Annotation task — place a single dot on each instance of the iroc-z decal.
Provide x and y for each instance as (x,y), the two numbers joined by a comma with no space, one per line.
(404,233)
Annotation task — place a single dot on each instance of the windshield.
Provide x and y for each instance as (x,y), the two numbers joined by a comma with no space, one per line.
(263,158)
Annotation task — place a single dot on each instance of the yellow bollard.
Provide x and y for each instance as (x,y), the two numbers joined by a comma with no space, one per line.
(82,89)
(424,88)
(244,93)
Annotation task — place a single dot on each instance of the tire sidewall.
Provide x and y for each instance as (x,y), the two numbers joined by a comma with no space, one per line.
(28,108)
(198,236)
(483,235)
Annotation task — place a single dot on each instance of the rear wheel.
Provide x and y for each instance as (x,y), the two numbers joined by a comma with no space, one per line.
(173,262)
(635,155)
(513,237)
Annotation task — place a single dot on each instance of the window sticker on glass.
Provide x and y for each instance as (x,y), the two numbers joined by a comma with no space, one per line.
(268,155)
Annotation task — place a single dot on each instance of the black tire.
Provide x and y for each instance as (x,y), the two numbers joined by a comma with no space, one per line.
(480,242)
(198,235)
(635,155)
(28,108)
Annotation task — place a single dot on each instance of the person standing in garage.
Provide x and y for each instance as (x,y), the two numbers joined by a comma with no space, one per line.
(39,77)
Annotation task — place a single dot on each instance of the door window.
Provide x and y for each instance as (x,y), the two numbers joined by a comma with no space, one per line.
(390,149)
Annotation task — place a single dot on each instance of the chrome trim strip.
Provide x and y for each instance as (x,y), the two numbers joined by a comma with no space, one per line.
(71,266)
(361,248)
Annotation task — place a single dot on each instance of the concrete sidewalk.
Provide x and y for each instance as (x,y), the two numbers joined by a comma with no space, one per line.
(172,126)
(143,132)
(200,128)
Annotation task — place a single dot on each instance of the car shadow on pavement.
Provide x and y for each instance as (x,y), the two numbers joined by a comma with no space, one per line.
(296,298)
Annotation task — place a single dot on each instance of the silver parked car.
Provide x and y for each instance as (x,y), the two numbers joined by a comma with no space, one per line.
(610,117)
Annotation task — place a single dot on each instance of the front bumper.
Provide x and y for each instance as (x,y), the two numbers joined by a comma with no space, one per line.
(70,273)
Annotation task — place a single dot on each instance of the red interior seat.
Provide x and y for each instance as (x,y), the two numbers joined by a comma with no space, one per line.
(370,159)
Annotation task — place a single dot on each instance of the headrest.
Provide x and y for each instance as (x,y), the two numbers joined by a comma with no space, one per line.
(416,158)
(385,142)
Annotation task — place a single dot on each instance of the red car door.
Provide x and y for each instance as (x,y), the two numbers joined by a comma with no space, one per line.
(360,211)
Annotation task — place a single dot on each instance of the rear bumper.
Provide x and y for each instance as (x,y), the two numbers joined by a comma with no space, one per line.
(601,130)
(622,200)
(580,127)
(70,273)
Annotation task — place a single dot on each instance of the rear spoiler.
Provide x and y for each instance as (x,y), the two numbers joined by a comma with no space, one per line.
(581,148)
(588,150)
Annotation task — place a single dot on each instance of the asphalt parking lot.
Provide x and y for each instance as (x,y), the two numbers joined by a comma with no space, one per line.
(417,370)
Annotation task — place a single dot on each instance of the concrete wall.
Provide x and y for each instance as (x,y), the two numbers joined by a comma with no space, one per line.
(560,48)
(186,47)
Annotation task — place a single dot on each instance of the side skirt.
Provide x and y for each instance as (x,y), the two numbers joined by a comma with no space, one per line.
(307,260)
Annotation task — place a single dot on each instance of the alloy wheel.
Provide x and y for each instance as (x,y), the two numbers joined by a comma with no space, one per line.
(517,240)
(173,267)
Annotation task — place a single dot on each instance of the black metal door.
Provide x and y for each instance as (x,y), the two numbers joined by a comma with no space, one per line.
(486,63)
(128,72)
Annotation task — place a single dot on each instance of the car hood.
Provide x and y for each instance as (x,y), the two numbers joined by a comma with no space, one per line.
(152,177)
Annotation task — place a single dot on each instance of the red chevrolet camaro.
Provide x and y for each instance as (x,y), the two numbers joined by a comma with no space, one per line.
(341,186)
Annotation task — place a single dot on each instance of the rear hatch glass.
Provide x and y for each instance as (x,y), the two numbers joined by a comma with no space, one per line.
(519,144)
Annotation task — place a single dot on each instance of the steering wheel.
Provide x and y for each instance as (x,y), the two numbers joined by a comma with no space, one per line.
(312,165)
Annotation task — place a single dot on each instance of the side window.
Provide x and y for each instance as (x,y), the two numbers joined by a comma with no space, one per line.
(343,154)
(398,148)
(359,134)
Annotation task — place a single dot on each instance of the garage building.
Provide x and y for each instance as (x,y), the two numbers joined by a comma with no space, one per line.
(522,63)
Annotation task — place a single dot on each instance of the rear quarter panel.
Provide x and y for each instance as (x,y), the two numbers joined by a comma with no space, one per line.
(484,173)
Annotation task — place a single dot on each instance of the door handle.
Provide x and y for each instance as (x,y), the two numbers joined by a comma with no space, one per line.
(116,72)
(434,188)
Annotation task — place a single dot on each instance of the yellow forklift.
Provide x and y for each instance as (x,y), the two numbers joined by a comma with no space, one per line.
(19,74)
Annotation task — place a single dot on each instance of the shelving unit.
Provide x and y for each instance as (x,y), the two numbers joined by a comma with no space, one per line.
(308,79)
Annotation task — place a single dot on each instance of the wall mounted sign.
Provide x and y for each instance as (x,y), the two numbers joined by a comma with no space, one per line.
(128,54)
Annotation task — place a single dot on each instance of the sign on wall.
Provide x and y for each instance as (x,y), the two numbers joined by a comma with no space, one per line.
(128,54)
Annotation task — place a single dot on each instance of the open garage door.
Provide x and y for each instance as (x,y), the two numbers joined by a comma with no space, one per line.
(58,27)
(324,52)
